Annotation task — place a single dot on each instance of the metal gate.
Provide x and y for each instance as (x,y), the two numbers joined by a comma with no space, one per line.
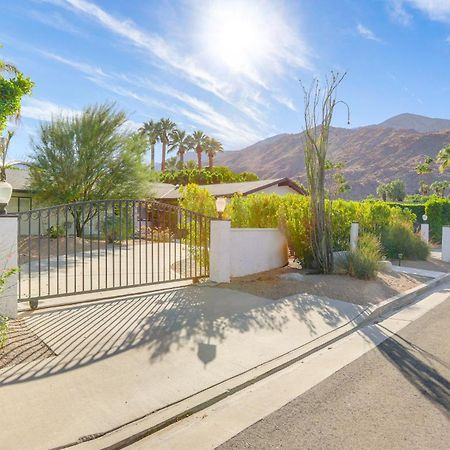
(110,244)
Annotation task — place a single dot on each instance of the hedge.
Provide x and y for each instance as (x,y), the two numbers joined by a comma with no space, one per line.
(291,213)
(437,209)
(438,212)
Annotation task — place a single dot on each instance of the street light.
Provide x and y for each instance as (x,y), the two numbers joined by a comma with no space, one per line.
(221,203)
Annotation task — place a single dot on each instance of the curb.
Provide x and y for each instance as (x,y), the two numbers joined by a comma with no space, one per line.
(142,427)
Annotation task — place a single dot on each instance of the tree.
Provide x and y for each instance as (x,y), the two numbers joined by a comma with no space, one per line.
(423,188)
(212,147)
(180,142)
(88,157)
(165,128)
(4,145)
(439,187)
(396,191)
(425,166)
(318,114)
(198,142)
(150,131)
(382,191)
(443,159)
(13,86)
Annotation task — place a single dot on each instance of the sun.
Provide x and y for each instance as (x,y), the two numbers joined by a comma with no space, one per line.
(235,34)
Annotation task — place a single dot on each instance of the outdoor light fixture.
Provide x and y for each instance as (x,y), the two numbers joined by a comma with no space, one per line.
(424,217)
(5,195)
(221,203)
(400,257)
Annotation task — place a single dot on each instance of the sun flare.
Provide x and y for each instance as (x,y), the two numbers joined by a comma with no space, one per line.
(237,35)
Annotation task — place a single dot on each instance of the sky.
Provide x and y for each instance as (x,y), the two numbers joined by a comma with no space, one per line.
(228,67)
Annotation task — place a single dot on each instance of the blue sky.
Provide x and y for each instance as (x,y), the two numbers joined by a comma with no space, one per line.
(230,68)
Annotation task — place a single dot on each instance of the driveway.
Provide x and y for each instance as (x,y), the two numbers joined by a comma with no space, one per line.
(107,267)
(120,360)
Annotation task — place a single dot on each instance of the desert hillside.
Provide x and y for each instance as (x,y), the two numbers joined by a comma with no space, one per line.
(373,154)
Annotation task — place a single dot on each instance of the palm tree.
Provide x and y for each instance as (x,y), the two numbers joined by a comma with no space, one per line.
(165,128)
(150,130)
(181,142)
(198,142)
(213,146)
(443,158)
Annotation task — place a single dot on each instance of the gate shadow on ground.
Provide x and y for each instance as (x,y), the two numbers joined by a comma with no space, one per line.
(162,322)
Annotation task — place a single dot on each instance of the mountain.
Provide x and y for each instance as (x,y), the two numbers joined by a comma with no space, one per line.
(373,154)
(415,122)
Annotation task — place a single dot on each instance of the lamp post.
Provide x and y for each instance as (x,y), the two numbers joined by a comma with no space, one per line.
(221,203)
(5,195)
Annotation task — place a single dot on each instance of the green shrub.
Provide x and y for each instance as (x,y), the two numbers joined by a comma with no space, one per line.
(55,232)
(117,228)
(399,238)
(418,209)
(438,212)
(294,221)
(363,263)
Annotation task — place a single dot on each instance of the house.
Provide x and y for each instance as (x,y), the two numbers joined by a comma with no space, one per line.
(21,199)
(279,186)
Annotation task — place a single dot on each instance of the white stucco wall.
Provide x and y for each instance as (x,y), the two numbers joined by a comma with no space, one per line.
(254,250)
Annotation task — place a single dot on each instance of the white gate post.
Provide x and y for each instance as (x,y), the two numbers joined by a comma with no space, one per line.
(220,251)
(425,232)
(8,260)
(446,243)
(354,232)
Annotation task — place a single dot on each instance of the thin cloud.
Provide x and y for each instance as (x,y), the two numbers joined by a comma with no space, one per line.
(57,21)
(36,109)
(438,10)
(366,33)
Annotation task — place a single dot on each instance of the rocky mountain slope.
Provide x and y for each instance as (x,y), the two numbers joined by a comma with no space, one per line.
(373,154)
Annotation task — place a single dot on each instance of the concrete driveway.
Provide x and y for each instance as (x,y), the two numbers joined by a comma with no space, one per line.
(108,267)
(118,360)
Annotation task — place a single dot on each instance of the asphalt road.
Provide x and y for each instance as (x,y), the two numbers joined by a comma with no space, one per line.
(397,396)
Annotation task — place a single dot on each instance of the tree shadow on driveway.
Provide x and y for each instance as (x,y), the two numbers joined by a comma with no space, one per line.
(163,321)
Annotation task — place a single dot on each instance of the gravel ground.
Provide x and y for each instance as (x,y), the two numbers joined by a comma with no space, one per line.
(395,397)
(22,345)
(339,287)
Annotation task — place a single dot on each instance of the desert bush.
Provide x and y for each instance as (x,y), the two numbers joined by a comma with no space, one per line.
(117,228)
(195,230)
(156,234)
(363,262)
(55,232)
(399,238)
(195,198)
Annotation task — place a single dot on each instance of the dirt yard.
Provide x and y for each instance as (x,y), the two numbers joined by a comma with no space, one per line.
(22,345)
(339,287)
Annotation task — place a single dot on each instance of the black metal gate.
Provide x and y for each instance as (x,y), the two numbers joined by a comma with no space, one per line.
(109,244)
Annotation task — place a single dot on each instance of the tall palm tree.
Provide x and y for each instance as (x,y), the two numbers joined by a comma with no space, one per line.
(165,128)
(179,141)
(150,131)
(443,158)
(198,141)
(213,146)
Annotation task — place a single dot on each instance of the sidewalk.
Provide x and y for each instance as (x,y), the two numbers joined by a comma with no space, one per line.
(119,360)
